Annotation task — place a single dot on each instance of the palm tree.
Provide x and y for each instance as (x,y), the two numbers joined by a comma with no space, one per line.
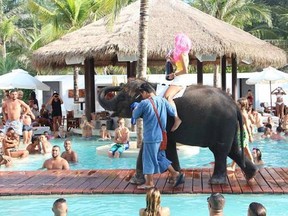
(142,58)
(244,14)
(61,17)
(11,38)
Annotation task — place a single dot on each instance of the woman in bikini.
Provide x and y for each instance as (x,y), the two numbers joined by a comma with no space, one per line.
(180,58)
(279,92)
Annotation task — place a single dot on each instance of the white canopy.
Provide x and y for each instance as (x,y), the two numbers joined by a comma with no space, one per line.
(21,79)
(269,76)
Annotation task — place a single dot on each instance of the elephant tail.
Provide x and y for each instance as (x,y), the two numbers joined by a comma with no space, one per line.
(240,121)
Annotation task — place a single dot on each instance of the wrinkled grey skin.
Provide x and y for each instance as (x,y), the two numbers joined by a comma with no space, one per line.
(210,118)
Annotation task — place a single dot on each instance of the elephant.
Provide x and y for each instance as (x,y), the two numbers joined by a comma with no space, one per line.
(210,118)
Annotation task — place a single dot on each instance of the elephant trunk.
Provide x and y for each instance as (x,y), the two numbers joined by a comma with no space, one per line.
(108,104)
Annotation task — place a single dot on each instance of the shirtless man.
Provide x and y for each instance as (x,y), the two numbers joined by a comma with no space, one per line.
(46,145)
(121,139)
(56,162)
(69,154)
(60,207)
(34,147)
(12,109)
(11,143)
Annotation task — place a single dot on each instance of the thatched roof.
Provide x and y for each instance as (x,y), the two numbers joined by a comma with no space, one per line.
(167,18)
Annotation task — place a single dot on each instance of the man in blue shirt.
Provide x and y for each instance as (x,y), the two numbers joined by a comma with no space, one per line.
(154,160)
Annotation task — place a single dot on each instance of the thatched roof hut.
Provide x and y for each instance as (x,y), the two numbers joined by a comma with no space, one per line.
(166,18)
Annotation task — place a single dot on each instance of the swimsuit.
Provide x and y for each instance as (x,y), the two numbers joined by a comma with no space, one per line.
(16,125)
(119,147)
(27,128)
(183,79)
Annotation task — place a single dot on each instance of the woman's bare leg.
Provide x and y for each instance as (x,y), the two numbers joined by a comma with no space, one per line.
(169,94)
(281,110)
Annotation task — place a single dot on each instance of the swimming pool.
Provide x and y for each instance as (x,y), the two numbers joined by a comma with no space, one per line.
(123,205)
(272,151)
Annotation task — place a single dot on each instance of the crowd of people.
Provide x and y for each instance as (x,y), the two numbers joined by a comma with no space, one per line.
(19,119)
(216,204)
(262,124)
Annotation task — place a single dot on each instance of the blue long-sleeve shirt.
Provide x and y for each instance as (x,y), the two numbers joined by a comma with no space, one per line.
(152,131)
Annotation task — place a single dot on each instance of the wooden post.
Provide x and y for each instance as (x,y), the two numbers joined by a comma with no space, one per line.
(223,72)
(199,72)
(234,76)
(131,69)
(89,87)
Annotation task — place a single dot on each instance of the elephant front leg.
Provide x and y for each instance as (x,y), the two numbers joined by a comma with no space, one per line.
(220,172)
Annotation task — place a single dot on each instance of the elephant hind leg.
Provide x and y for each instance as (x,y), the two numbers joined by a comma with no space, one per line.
(220,173)
(249,169)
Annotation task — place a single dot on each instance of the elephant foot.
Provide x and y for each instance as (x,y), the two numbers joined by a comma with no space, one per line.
(217,180)
(251,173)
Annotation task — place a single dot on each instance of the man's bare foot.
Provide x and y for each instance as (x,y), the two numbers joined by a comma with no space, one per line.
(177,123)
(117,154)
(231,169)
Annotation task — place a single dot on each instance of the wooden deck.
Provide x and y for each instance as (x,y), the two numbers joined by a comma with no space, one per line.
(268,180)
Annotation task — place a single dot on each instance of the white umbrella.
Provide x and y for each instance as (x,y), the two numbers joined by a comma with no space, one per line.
(269,76)
(21,79)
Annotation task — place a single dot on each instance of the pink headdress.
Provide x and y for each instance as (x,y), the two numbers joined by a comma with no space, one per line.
(182,44)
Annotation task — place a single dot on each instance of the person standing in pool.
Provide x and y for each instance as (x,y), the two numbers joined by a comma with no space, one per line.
(256,209)
(216,204)
(60,207)
(154,160)
(153,207)
(69,154)
(56,162)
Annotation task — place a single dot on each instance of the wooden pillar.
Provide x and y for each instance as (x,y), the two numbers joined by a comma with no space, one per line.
(131,69)
(199,72)
(223,72)
(234,75)
(89,87)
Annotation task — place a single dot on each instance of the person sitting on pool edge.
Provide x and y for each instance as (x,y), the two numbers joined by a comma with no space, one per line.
(60,207)
(216,204)
(121,139)
(11,143)
(256,209)
(56,162)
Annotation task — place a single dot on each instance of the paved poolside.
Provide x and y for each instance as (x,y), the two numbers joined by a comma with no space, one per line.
(267,180)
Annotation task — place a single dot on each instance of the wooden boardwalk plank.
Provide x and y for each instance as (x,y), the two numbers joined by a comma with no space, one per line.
(188,181)
(270,181)
(267,180)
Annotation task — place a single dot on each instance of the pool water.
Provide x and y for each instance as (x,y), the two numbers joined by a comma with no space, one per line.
(272,151)
(123,205)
